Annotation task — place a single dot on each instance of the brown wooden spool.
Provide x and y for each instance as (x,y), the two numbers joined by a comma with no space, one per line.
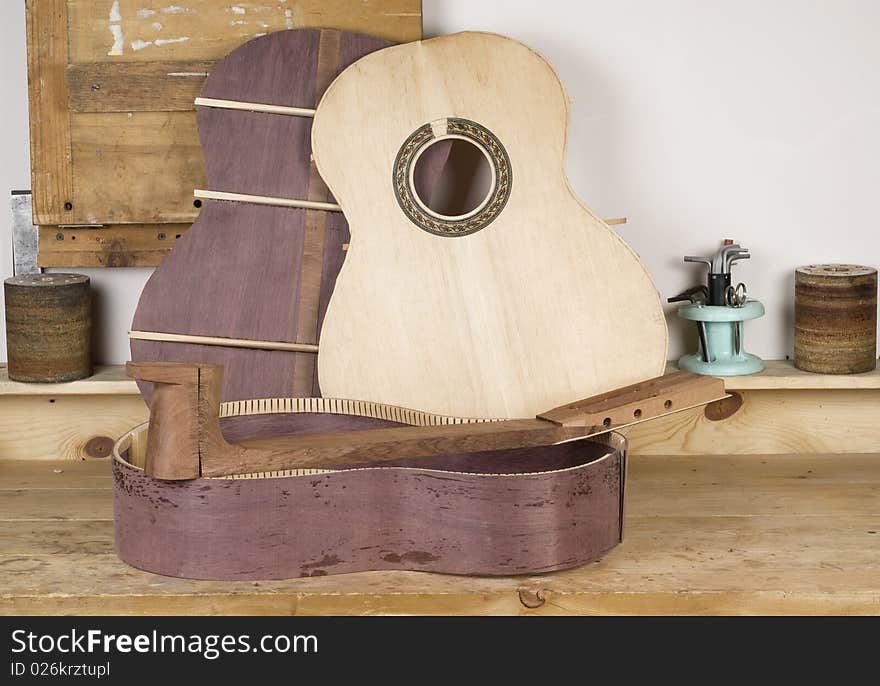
(48,327)
(835,330)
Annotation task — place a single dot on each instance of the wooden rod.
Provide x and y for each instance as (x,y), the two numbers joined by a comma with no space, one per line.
(254,107)
(266,200)
(224,342)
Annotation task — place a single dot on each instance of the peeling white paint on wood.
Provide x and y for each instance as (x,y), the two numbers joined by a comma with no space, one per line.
(116,30)
(139,44)
(176,9)
(235,9)
(156,25)
(118,40)
(145,13)
(166,41)
(288,18)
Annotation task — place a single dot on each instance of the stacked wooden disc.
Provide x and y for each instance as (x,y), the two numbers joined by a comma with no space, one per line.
(835,330)
(48,327)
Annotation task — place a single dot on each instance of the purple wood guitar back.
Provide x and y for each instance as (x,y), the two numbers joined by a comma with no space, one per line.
(251,271)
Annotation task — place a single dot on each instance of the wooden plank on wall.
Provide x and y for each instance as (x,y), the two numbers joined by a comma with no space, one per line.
(136,168)
(51,171)
(770,422)
(148,30)
(136,86)
(134,245)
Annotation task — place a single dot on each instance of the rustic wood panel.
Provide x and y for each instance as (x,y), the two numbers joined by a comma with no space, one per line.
(51,171)
(92,64)
(136,86)
(687,560)
(135,245)
(771,421)
(207,29)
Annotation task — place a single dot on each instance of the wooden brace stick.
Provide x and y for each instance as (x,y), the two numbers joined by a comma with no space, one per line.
(224,342)
(266,200)
(184,439)
(254,107)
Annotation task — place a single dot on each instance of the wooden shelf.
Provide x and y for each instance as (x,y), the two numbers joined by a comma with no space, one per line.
(777,375)
(751,534)
(782,375)
(107,380)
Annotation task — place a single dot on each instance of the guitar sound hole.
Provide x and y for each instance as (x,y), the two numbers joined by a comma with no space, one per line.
(452,178)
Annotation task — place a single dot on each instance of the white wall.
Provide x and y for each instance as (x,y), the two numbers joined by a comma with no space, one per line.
(698,120)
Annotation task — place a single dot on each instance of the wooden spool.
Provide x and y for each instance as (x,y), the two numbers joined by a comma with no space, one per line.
(835,329)
(48,327)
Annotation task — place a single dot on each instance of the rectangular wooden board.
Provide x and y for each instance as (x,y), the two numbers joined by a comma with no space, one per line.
(113,135)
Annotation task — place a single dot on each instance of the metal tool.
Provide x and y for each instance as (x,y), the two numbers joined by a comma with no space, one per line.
(736,296)
(697,295)
(719,309)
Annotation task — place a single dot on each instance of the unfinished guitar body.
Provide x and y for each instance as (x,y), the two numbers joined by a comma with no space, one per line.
(521,303)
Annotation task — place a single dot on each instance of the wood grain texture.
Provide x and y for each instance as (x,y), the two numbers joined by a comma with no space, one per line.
(771,421)
(206,29)
(136,86)
(105,380)
(543,305)
(438,518)
(113,154)
(53,427)
(252,271)
(835,318)
(781,550)
(135,245)
(783,375)
(48,327)
(50,136)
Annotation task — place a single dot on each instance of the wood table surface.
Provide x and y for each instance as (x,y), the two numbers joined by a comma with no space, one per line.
(778,534)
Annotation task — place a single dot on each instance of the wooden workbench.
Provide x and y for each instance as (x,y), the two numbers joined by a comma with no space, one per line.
(792,534)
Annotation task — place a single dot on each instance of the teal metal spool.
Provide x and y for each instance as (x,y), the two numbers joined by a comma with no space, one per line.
(721,322)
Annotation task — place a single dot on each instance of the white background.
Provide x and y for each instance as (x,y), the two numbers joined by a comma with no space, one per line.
(757,120)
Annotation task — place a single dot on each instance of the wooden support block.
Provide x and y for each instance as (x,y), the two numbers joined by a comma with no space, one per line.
(134,245)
